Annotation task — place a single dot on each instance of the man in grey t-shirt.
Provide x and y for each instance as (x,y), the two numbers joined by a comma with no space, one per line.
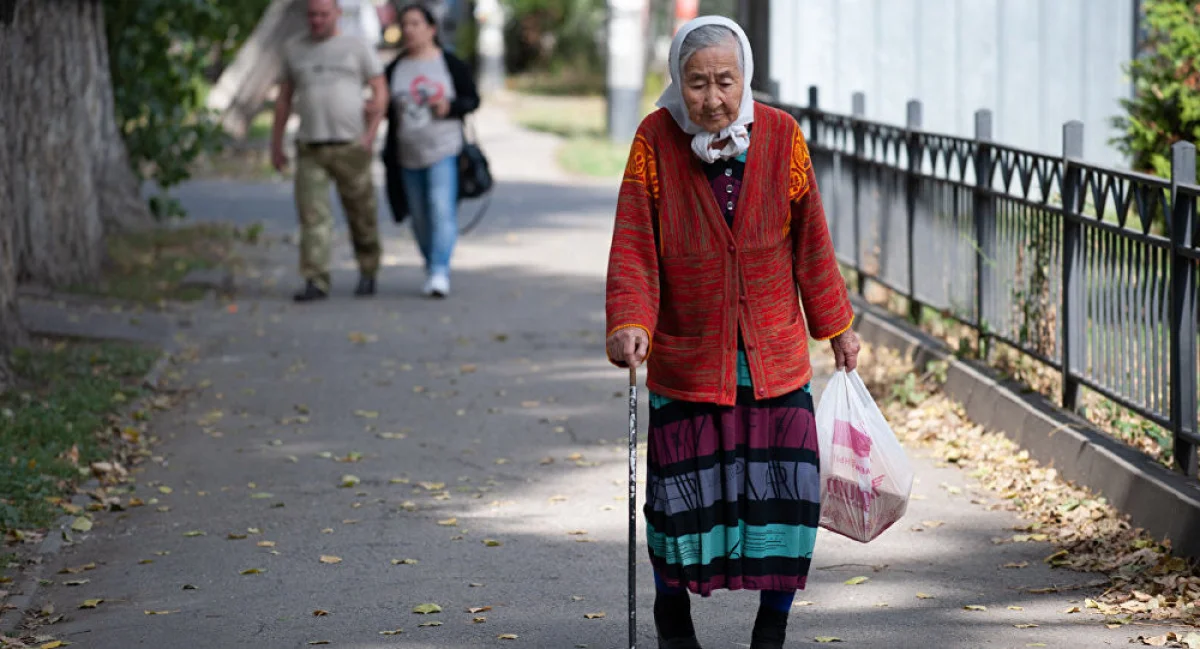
(324,75)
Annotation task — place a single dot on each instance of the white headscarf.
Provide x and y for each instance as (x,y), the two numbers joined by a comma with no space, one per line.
(672,97)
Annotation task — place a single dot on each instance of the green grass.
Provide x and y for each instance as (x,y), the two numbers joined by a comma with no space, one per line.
(62,400)
(148,266)
(581,122)
(593,156)
(260,126)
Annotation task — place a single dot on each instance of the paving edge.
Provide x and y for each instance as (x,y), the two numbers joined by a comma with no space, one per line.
(1164,503)
(30,586)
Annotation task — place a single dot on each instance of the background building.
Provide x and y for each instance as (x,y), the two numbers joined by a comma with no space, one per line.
(1035,63)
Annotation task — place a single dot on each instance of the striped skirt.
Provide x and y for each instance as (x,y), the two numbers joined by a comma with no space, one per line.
(733,493)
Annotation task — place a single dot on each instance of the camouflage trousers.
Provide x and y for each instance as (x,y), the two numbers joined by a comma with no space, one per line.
(349,166)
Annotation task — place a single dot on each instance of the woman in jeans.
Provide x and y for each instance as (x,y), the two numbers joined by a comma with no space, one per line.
(432,91)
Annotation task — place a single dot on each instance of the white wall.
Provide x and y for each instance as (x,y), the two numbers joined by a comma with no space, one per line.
(1035,63)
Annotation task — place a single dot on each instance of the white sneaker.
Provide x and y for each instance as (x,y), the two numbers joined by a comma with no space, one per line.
(437,286)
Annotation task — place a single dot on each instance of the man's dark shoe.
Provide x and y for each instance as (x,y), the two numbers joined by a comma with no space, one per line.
(310,293)
(770,629)
(366,286)
(689,642)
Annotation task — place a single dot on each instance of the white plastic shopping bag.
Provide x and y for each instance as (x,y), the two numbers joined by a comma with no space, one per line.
(866,478)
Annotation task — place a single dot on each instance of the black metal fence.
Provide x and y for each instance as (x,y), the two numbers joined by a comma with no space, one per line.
(1090,270)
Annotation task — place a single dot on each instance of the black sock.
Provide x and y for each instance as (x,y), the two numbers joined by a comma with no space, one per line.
(673,614)
(770,624)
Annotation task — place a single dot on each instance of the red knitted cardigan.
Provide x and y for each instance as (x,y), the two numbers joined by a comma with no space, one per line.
(677,270)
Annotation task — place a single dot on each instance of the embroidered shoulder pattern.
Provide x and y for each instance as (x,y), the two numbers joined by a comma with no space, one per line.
(799,168)
(642,167)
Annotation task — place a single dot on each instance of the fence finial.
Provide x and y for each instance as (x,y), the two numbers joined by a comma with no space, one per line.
(914,114)
(983,125)
(859,102)
(1073,139)
(1183,163)
(813,95)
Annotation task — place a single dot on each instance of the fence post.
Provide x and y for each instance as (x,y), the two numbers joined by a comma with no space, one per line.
(773,89)
(1183,308)
(1071,309)
(912,188)
(985,228)
(814,109)
(859,104)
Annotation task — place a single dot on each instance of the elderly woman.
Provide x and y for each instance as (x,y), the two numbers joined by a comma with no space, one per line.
(720,239)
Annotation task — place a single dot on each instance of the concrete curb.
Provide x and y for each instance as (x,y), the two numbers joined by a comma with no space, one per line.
(25,593)
(1164,503)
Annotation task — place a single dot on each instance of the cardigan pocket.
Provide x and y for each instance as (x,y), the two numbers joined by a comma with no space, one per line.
(676,360)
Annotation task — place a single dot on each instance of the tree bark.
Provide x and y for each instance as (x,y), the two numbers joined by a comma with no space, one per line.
(121,204)
(64,170)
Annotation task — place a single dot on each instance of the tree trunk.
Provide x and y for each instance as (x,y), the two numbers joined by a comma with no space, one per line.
(122,206)
(63,166)
(243,87)
(74,177)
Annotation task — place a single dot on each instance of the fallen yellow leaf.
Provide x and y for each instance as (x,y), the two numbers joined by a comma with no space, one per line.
(854,581)
(330,559)
(320,613)
(91,603)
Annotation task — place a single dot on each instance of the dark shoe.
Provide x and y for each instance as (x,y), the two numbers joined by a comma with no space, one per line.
(770,629)
(310,293)
(366,286)
(689,642)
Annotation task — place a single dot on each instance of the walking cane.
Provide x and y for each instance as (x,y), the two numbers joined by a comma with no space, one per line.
(633,401)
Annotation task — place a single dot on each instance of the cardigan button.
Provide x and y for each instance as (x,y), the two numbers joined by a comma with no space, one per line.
(742,299)
(762,391)
(732,249)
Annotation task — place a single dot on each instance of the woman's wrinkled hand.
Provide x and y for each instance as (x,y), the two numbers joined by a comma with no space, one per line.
(628,347)
(845,350)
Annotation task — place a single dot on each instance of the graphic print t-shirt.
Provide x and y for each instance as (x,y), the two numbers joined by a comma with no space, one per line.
(423,138)
(328,77)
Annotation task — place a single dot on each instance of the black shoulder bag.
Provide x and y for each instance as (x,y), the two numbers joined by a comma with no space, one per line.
(474,176)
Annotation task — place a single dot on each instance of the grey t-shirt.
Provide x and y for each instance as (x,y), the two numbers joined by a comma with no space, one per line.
(424,139)
(328,77)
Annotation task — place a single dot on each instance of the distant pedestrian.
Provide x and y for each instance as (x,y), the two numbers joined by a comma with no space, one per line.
(432,92)
(324,75)
(721,268)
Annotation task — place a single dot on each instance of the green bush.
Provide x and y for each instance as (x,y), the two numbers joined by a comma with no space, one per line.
(1165,107)
(160,52)
(555,35)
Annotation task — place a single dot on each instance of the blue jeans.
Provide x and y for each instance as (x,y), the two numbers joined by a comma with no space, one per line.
(433,202)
